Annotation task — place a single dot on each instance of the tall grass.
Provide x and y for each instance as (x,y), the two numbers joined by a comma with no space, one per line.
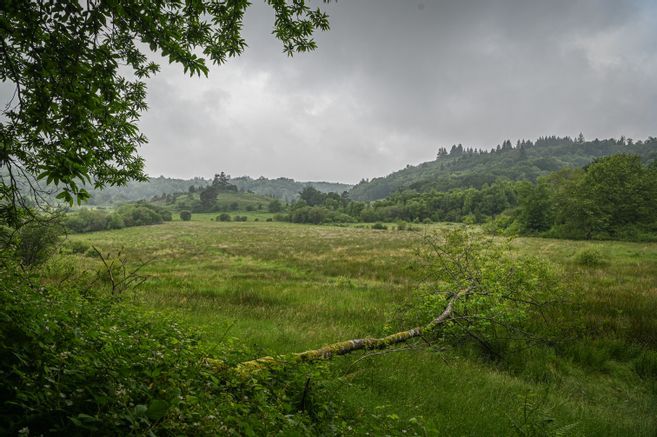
(282,288)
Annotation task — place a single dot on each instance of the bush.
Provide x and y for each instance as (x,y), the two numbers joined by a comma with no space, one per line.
(78,247)
(379,226)
(590,257)
(115,221)
(81,364)
(223,217)
(141,216)
(250,208)
(275,206)
(185,216)
(240,218)
(269,219)
(37,241)
(234,206)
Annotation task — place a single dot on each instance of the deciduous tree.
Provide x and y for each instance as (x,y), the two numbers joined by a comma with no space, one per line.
(78,71)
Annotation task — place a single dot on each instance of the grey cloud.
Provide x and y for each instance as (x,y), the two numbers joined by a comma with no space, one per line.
(393,80)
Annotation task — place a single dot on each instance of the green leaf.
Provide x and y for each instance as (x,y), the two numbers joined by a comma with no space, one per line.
(157,409)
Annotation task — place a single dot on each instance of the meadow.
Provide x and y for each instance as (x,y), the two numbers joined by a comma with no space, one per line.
(280,287)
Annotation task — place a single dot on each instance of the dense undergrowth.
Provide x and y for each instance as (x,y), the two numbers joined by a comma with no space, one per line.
(77,361)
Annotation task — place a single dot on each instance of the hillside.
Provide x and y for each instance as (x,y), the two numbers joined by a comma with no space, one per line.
(284,188)
(134,190)
(463,168)
(281,188)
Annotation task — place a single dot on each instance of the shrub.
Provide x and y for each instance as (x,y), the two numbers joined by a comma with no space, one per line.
(250,208)
(223,217)
(37,241)
(141,216)
(82,364)
(275,206)
(115,221)
(234,206)
(240,218)
(590,257)
(185,215)
(87,220)
(379,226)
(269,219)
(79,247)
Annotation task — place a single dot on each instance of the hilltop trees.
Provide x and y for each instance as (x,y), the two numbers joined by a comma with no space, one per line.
(208,195)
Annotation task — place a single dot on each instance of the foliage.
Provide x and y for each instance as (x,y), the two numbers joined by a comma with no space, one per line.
(275,206)
(320,284)
(37,240)
(223,217)
(93,220)
(590,257)
(475,168)
(185,216)
(494,295)
(285,189)
(81,362)
(612,198)
(33,242)
(78,73)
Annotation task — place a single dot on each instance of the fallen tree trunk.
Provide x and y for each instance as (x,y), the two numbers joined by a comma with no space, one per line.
(348,346)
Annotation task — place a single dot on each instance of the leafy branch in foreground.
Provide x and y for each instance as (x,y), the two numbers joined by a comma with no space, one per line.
(474,291)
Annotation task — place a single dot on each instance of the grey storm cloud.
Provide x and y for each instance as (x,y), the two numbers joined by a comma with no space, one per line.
(394,80)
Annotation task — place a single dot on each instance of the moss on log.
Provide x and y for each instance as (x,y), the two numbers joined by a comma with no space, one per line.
(345,347)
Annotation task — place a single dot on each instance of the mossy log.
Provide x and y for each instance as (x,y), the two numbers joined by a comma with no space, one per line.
(348,346)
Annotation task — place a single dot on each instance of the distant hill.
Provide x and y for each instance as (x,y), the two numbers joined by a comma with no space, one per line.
(284,188)
(462,168)
(134,191)
(281,188)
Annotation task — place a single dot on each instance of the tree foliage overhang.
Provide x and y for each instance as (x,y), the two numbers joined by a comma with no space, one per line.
(78,67)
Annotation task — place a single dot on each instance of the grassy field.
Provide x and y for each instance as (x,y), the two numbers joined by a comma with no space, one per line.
(282,288)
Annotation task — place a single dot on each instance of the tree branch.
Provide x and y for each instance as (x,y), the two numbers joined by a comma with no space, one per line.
(345,347)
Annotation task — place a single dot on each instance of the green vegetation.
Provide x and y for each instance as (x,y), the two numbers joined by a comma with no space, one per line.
(94,344)
(143,190)
(284,188)
(611,198)
(472,168)
(79,73)
(227,201)
(82,362)
(284,288)
(139,214)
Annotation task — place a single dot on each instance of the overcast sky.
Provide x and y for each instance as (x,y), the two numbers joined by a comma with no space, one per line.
(393,80)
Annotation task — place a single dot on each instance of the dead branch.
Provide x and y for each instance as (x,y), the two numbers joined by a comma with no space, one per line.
(345,347)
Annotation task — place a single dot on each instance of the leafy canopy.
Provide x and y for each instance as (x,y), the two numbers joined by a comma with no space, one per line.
(78,70)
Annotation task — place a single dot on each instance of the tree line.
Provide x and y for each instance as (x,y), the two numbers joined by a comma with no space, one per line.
(613,197)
